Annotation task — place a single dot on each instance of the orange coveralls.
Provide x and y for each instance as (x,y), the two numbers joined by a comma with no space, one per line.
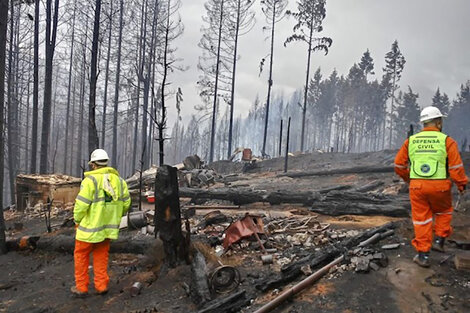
(432,198)
(100,264)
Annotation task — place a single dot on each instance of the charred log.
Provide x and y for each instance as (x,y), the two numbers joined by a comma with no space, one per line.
(66,244)
(358,203)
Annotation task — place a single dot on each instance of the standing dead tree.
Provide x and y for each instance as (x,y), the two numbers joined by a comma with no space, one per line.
(50,43)
(3,41)
(93,141)
(215,62)
(69,91)
(309,18)
(274,12)
(34,135)
(171,29)
(242,21)
(116,89)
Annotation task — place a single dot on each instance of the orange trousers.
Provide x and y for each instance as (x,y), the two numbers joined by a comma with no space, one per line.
(81,256)
(431,210)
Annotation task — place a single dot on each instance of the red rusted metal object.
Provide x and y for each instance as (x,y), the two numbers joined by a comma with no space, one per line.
(247,155)
(246,227)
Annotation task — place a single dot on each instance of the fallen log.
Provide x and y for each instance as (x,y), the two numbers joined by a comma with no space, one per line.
(292,271)
(328,201)
(358,203)
(350,170)
(241,196)
(63,243)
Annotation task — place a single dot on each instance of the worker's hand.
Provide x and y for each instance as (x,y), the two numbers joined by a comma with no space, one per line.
(76,226)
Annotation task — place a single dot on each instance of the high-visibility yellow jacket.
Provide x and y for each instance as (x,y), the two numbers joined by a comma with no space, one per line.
(102,201)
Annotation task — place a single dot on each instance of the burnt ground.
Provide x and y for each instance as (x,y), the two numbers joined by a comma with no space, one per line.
(39,281)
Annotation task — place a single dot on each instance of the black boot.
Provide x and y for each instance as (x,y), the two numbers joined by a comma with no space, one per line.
(422,259)
(438,244)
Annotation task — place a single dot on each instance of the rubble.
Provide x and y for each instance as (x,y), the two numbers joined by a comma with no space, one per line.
(32,190)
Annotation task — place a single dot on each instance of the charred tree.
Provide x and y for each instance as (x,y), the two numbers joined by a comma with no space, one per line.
(50,42)
(168,215)
(116,89)
(309,18)
(3,40)
(93,141)
(172,29)
(106,75)
(69,91)
(34,131)
(244,21)
(274,12)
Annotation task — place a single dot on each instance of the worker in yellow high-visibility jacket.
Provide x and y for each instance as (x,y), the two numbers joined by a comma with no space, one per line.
(102,201)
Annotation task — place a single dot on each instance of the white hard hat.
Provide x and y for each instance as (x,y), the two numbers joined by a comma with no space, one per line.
(430,113)
(99,156)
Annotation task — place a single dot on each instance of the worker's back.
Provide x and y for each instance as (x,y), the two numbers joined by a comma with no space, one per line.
(102,201)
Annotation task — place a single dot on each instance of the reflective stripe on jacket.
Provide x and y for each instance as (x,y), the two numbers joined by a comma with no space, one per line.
(102,201)
(428,155)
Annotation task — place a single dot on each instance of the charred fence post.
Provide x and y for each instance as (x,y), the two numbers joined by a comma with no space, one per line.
(287,146)
(280,141)
(411,131)
(167,217)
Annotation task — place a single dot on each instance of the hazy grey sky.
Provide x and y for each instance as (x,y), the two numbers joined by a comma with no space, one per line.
(433,35)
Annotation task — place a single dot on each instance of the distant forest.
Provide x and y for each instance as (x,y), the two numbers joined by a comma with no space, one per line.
(82,74)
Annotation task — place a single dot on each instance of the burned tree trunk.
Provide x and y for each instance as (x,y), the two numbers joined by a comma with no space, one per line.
(3,33)
(168,215)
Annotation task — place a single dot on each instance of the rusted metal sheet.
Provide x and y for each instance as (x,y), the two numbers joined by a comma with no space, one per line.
(246,227)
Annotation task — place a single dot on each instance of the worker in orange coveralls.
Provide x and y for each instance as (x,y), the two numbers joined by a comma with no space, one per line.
(102,201)
(426,161)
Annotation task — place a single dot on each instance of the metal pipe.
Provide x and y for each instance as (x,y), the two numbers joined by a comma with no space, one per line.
(299,287)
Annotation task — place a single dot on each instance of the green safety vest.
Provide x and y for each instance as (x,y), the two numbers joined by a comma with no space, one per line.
(428,155)
(102,201)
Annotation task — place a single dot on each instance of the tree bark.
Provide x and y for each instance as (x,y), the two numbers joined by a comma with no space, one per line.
(93,141)
(3,40)
(34,131)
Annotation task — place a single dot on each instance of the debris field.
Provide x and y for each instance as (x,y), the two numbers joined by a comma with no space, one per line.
(256,233)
